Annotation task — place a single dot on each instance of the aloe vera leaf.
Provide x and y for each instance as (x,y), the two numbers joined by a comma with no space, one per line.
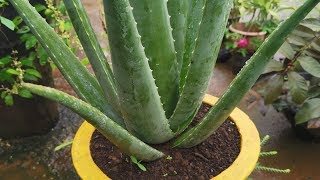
(140,102)
(244,80)
(93,50)
(154,27)
(195,14)
(83,83)
(178,11)
(126,142)
(207,47)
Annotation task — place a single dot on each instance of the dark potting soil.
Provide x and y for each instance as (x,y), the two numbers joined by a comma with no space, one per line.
(204,161)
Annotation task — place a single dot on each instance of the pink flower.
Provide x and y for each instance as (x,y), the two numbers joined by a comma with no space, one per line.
(243,42)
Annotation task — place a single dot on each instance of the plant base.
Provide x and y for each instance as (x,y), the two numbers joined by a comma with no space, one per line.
(240,168)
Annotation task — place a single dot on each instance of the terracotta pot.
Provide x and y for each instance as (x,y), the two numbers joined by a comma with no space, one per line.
(248,32)
(240,169)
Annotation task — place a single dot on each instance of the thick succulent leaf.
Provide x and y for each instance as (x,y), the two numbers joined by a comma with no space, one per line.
(156,35)
(273,66)
(244,80)
(93,50)
(120,137)
(287,50)
(309,110)
(298,87)
(310,65)
(178,11)
(273,88)
(83,83)
(203,59)
(195,14)
(139,99)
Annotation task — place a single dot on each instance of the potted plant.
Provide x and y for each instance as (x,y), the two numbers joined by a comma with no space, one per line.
(292,84)
(242,39)
(19,49)
(262,21)
(141,101)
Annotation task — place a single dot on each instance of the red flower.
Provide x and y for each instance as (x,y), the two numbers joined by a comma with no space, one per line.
(243,42)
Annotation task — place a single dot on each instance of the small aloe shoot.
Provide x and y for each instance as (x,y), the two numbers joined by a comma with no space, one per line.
(138,163)
(163,53)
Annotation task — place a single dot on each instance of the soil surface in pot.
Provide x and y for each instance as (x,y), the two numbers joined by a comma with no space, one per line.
(204,161)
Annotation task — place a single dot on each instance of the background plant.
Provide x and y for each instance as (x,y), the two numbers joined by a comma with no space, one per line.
(25,58)
(258,16)
(160,73)
(294,82)
(237,43)
(263,13)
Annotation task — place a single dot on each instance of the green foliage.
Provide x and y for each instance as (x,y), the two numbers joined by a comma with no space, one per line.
(273,88)
(264,12)
(310,65)
(300,70)
(141,40)
(138,163)
(25,64)
(310,110)
(263,17)
(7,22)
(231,43)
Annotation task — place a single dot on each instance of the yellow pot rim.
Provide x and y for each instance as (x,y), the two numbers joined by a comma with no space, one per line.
(241,168)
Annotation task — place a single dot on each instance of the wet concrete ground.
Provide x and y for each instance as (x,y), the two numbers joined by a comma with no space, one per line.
(34,158)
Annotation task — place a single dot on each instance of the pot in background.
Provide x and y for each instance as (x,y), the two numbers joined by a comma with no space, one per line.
(249,32)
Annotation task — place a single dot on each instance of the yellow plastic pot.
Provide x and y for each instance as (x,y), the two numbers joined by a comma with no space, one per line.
(241,168)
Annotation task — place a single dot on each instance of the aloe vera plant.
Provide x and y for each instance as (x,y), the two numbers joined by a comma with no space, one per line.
(163,54)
